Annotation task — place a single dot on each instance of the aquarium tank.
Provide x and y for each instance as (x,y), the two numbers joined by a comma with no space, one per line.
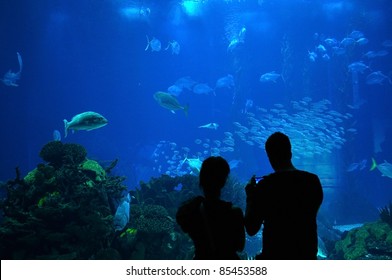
(109,107)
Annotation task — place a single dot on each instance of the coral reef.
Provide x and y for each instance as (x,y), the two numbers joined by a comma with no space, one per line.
(54,213)
(371,241)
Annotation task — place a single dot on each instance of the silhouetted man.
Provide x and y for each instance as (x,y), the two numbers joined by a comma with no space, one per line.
(286,202)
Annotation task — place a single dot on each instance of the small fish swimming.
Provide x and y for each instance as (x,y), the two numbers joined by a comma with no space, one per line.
(358,66)
(174,46)
(355,34)
(155,44)
(331,42)
(362,41)
(348,41)
(385,168)
(312,56)
(85,121)
(10,77)
(357,166)
(210,126)
(174,90)
(269,77)
(56,135)
(185,82)
(121,218)
(169,102)
(202,89)
(225,82)
(377,78)
(321,49)
(237,40)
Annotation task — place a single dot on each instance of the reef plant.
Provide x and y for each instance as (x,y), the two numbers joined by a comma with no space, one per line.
(386,214)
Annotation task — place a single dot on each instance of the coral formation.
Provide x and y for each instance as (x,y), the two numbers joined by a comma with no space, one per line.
(57,154)
(371,241)
(53,213)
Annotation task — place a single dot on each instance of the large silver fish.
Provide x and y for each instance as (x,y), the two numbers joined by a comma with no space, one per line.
(10,77)
(85,121)
(169,102)
(385,168)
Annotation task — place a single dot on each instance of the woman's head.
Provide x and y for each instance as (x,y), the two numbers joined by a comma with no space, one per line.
(213,175)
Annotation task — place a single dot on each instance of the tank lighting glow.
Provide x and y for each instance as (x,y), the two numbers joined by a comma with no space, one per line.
(192,7)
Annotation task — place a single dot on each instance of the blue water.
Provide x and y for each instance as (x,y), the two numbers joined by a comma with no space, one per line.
(90,56)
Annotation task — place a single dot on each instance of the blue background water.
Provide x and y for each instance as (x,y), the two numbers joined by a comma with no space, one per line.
(90,55)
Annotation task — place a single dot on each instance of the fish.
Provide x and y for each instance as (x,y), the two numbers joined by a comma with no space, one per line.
(312,56)
(155,44)
(343,228)
(121,218)
(234,163)
(321,49)
(362,41)
(169,102)
(331,42)
(194,164)
(355,34)
(269,77)
(225,82)
(202,89)
(357,166)
(347,42)
(237,40)
(377,78)
(382,53)
(338,50)
(358,66)
(210,126)
(326,57)
(353,166)
(85,121)
(387,43)
(56,135)
(185,82)
(370,54)
(10,77)
(174,46)
(174,90)
(385,168)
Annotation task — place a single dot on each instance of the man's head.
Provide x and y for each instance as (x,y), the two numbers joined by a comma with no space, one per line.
(278,148)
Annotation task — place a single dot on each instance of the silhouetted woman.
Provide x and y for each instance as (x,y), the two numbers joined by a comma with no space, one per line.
(215,226)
